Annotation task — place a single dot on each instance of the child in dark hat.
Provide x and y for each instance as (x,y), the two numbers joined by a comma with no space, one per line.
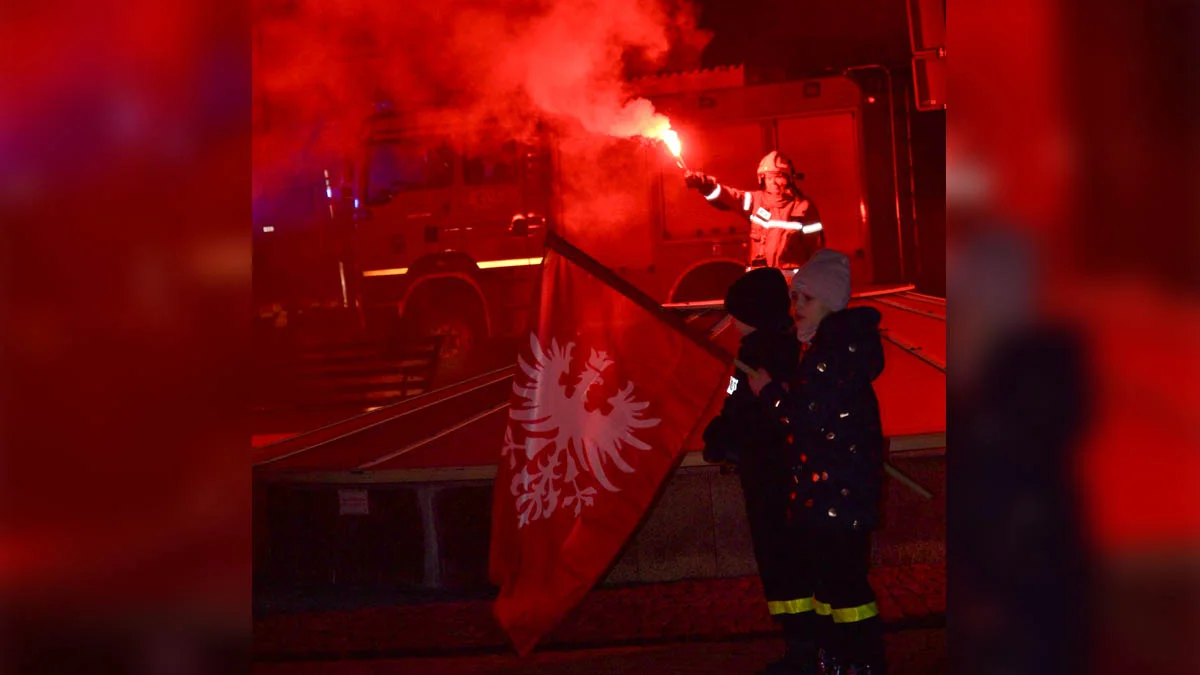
(746,433)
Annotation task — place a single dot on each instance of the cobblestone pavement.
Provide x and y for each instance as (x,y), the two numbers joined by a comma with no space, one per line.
(704,610)
(910,652)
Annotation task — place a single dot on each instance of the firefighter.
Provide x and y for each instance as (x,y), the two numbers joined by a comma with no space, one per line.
(835,449)
(785,228)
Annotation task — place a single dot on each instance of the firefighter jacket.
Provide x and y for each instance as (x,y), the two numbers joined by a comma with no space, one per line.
(784,231)
(744,432)
(833,427)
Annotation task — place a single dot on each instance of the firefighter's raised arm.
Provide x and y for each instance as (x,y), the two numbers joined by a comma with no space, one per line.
(721,196)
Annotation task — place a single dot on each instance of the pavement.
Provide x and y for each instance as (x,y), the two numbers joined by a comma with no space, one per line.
(634,617)
(910,652)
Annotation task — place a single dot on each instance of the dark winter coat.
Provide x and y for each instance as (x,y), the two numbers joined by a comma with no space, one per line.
(1017,430)
(745,431)
(834,431)
(1019,539)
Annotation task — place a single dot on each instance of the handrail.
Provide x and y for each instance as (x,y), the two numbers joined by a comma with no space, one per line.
(374,418)
(907,308)
(913,349)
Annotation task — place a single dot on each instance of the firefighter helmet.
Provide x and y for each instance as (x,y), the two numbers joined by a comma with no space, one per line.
(775,162)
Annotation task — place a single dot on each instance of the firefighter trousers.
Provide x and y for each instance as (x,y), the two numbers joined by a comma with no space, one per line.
(815,581)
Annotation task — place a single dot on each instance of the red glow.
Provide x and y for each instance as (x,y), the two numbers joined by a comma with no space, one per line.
(504,63)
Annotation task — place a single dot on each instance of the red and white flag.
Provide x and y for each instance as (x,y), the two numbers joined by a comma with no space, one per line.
(608,389)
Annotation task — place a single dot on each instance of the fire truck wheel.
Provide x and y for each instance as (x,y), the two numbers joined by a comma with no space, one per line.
(708,282)
(459,324)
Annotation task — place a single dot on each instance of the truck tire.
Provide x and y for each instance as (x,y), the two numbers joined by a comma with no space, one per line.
(457,317)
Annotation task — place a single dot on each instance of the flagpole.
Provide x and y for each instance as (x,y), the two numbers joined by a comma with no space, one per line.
(887,466)
(906,481)
(559,244)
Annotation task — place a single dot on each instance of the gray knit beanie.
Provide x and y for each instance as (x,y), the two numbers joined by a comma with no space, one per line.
(826,277)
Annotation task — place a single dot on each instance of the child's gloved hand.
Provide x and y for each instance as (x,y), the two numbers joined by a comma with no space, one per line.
(757,380)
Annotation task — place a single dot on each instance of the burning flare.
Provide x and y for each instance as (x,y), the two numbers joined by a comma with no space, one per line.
(671,138)
(639,118)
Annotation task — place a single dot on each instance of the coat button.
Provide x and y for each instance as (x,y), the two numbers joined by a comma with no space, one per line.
(830,436)
(853,348)
(821,367)
(832,512)
(845,492)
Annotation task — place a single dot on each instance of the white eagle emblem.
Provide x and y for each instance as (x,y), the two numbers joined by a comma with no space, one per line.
(566,444)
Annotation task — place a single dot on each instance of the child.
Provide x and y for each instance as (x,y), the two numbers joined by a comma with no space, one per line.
(747,434)
(835,444)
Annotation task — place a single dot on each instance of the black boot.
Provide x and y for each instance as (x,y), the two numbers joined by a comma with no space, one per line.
(855,649)
(826,662)
(837,668)
(831,664)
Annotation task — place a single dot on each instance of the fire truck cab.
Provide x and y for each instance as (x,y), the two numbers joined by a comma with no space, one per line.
(448,226)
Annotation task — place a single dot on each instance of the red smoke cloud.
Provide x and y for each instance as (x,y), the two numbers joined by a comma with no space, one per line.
(320,65)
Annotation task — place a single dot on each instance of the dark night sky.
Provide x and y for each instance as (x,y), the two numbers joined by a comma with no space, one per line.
(805,36)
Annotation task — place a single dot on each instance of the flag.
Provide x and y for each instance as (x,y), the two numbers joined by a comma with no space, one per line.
(608,388)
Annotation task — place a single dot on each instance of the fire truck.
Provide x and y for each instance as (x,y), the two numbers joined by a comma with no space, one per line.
(438,224)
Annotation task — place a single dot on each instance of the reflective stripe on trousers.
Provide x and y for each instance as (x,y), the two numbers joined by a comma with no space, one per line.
(840,614)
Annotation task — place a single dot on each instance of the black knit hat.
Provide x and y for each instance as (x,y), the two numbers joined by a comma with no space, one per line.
(761,299)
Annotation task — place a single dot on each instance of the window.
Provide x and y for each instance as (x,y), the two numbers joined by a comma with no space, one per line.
(405,165)
(491,165)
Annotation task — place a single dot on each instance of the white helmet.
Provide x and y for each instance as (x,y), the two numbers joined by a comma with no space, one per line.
(776,162)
